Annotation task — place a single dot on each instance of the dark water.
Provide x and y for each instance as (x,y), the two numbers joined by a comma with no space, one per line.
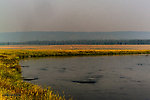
(93,78)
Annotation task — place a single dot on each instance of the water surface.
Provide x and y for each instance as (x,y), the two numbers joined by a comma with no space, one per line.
(93,78)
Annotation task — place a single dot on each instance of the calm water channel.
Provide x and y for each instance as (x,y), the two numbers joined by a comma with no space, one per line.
(93,78)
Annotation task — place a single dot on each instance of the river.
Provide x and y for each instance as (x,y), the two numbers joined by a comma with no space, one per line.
(92,77)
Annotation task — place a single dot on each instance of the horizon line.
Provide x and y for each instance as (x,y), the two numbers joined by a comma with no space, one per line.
(74,31)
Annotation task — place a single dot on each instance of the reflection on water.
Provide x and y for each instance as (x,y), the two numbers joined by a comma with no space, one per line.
(93,78)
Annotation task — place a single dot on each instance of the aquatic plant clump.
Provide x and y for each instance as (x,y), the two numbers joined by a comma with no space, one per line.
(12,86)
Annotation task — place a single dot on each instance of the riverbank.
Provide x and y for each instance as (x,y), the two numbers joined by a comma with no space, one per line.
(12,85)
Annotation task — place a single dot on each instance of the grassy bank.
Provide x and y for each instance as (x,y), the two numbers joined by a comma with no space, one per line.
(12,85)
(46,53)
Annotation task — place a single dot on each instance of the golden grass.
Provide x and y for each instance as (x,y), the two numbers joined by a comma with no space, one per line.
(12,87)
(79,47)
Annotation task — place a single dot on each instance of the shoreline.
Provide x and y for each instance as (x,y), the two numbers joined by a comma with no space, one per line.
(11,82)
(78,47)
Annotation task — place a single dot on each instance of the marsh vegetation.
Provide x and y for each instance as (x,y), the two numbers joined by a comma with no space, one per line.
(12,85)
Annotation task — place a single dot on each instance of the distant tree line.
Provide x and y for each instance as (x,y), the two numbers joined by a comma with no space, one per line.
(81,42)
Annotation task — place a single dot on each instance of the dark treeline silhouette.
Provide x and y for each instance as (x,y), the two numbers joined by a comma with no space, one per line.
(81,42)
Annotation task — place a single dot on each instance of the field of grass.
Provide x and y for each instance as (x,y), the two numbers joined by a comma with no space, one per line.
(78,47)
(12,86)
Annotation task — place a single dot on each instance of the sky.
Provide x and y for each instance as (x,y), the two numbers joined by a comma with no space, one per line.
(74,15)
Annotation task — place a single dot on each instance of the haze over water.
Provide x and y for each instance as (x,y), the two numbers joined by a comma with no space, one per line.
(29,18)
(49,36)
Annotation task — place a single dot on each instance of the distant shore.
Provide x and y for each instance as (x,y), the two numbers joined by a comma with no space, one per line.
(78,47)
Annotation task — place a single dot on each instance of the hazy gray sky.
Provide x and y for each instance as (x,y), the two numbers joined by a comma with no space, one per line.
(74,15)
